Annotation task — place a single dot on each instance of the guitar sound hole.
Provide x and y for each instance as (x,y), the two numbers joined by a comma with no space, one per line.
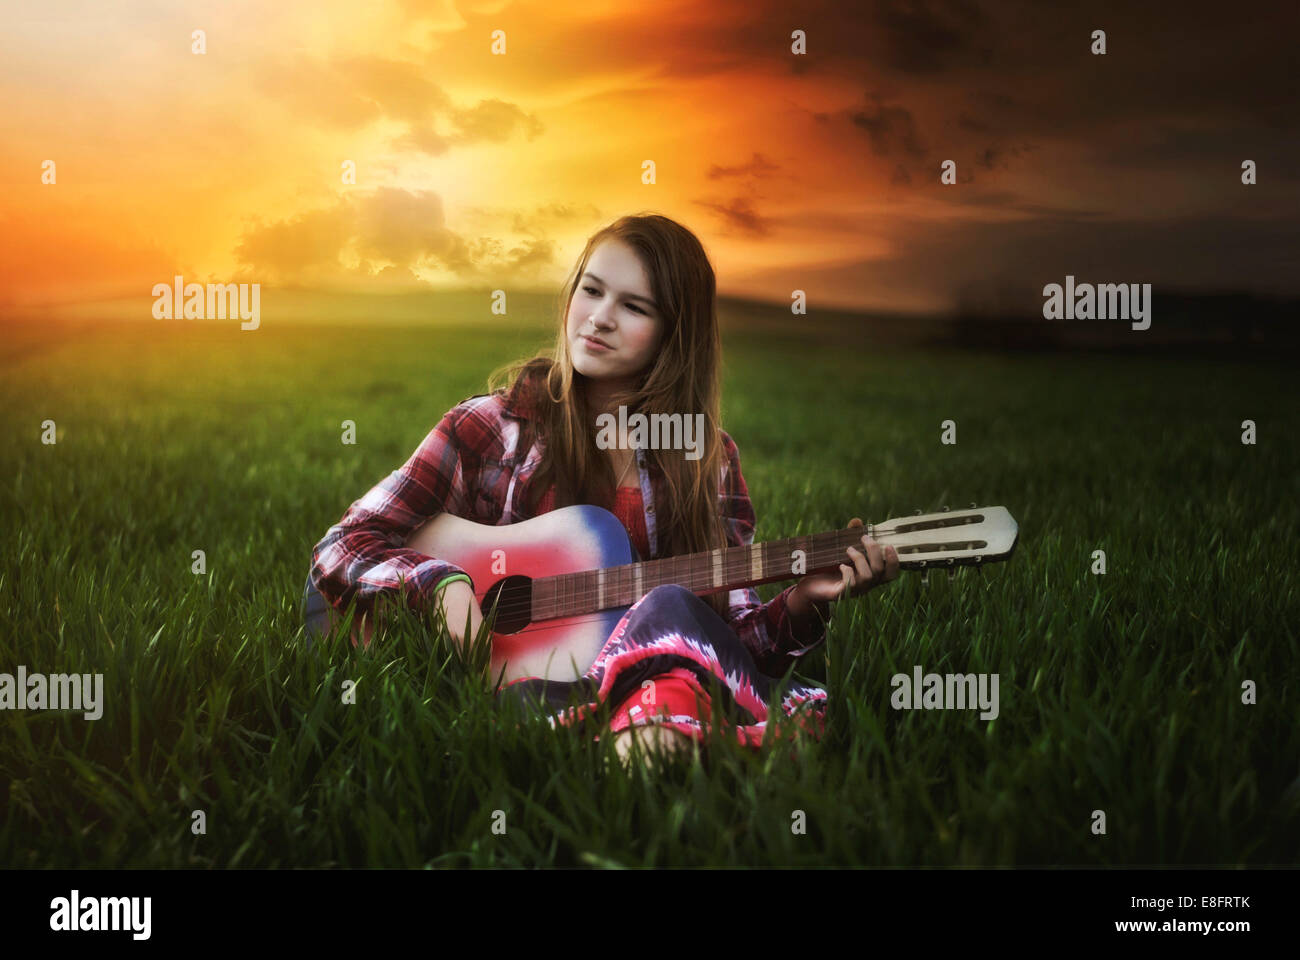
(513,598)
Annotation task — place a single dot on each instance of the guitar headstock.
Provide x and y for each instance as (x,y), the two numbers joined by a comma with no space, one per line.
(951,538)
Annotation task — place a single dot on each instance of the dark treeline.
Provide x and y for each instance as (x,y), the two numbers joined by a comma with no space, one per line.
(1234,320)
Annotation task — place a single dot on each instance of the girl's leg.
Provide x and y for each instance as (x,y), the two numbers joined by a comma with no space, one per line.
(315,613)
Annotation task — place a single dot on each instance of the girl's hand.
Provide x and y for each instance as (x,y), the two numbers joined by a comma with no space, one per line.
(454,602)
(871,566)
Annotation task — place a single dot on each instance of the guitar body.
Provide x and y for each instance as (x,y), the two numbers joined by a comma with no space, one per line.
(502,559)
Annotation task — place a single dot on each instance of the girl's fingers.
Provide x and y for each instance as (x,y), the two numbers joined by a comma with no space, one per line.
(875,556)
(864,575)
(875,565)
(878,564)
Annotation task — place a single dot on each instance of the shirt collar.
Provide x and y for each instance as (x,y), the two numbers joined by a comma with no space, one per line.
(519,402)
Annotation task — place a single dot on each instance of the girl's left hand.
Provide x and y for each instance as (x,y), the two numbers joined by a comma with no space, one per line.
(872,566)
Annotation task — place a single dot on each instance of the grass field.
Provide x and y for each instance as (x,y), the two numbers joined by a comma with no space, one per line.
(1120,693)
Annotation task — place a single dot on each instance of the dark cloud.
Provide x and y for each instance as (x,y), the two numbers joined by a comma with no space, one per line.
(935,36)
(738,216)
(758,166)
(891,129)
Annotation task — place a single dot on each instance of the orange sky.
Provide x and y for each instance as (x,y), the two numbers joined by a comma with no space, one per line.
(818,172)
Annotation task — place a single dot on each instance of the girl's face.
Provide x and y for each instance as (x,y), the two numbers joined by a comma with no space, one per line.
(613,304)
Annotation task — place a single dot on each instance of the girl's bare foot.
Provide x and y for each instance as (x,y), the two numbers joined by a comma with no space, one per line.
(653,739)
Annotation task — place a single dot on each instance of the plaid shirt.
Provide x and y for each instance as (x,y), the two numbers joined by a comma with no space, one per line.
(469,465)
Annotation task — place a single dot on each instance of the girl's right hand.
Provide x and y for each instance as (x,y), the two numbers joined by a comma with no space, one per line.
(455,601)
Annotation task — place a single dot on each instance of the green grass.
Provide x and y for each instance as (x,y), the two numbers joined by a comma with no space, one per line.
(1119,692)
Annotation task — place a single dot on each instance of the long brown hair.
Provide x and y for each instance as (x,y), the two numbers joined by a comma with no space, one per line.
(683,378)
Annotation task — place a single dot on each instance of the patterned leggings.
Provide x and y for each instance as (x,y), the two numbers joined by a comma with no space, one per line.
(671,660)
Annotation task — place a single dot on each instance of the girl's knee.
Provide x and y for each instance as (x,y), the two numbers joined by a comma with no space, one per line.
(673,592)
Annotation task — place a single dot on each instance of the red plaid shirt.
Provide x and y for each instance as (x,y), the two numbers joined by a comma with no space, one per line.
(469,465)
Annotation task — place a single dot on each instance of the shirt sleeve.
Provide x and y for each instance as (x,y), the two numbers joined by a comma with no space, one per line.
(774,638)
(362,556)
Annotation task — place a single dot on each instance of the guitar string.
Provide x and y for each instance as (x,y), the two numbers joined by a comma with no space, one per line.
(817,558)
(583,595)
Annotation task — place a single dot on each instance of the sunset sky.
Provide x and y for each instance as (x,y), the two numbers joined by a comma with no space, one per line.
(817,172)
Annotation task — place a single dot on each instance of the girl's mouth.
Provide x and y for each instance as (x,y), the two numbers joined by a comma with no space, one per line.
(595,345)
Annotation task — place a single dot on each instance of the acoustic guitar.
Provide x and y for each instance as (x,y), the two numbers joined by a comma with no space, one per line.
(555,586)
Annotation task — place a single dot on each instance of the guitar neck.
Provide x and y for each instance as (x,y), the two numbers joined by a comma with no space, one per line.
(710,571)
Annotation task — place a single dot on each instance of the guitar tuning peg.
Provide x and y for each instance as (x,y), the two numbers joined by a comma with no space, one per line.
(918,511)
(944,509)
(952,574)
(972,504)
(925,578)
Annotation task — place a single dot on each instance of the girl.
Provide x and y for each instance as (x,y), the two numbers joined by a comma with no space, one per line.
(639,329)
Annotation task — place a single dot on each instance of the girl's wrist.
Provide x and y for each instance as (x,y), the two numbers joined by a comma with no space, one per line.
(801,607)
(798,605)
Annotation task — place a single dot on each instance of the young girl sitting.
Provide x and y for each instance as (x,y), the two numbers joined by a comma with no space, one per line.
(639,330)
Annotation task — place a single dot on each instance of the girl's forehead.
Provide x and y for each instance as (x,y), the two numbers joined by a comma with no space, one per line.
(617,265)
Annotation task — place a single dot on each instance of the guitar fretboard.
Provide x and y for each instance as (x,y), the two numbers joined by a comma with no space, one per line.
(729,568)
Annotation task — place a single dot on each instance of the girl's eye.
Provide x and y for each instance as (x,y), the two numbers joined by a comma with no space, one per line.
(594,292)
